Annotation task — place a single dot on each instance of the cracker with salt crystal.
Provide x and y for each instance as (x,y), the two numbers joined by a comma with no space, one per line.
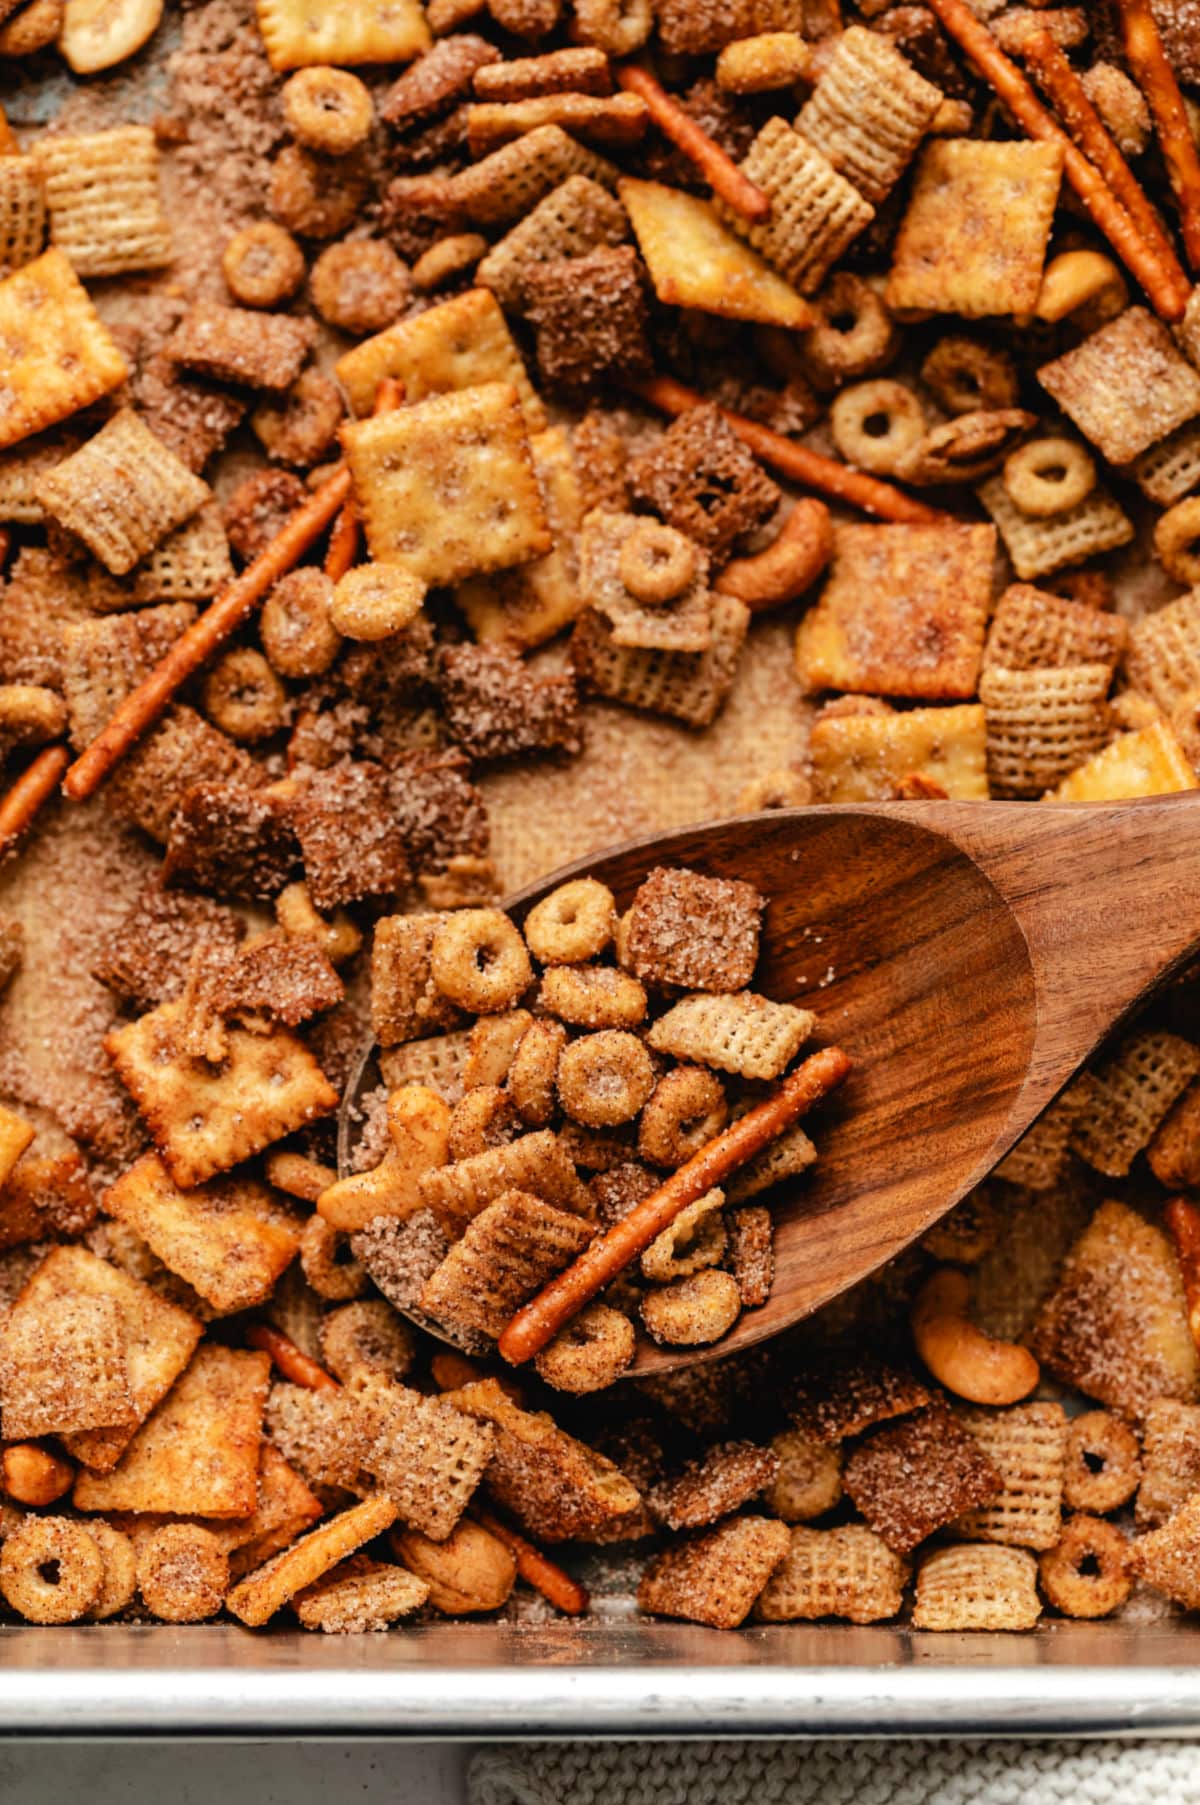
(532,602)
(205,1120)
(298,33)
(865,757)
(199,1452)
(59,356)
(459,344)
(229,1240)
(46,1198)
(696,261)
(447,487)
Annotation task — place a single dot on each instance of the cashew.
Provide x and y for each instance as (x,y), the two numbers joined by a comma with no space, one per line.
(788,566)
(959,1355)
(470,1571)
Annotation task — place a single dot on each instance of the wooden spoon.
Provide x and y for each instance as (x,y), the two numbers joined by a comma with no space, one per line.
(968,957)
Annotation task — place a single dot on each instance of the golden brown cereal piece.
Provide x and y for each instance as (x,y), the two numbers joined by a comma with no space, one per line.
(1121,105)
(782,788)
(22,211)
(692,1312)
(876,425)
(51,1570)
(590,1353)
(848,1572)
(1038,547)
(229,1241)
(34,27)
(916,1475)
(263,265)
(404,1000)
(326,1265)
(447,260)
(1166,1558)
(695,1240)
(231,344)
(205,1121)
(1169,470)
(690,687)
(611,121)
(1170,1460)
(967,448)
(46,1200)
(715,1578)
(434,85)
(699,933)
(316,197)
(574,923)
(320,1432)
(301,426)
(478,961)
(713,1486)
(534,1070)
(1086,1574)
(1116,1324)
(483,1117)
(1174,1153)
(102,193)
(966,375)
(863,757)
(258,1597)
(119,1582)
(244,697)
(191,565)
(809,1480)
(604,1078)
(534,1162)
(593,996)
(32,1475)
(558,1488)
(687,1109)
(1148,762)
(1042,724)
(426,1455)
(650,582)
(847,1395)
(1027,1446)
(327,110)
(1127,1096)
(360,286)
(491,1046)
(366,1334)
(460,344)
(106,655)
(1049,476)
(892,594)
(1033,629)
(744,1033)
(375,601)
(534,601)
(122,493)
(977,1587)
(338,938)
(1103,1464)
(360,1596)
(437,1063)
(182,1573)
(1175,538)
(617,26)
(297,634)
(259,508)
(1164,652)
(703,481)
(868,111)
(470,1571)
(576,217)
(752,1254)
(944,261)
(30,715)
(757,65)
(504,186)
(63,1366)
(286,1508)
(657,564)
(297,33)
(198,1453)
(815,212)
(584,70)
(1125,387)
(507,1253)
(461,461)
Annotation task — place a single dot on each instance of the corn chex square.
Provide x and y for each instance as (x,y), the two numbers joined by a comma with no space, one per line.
(359,1596)
(1042,724)
(1039,547)
(1027,1445)
(199,1452)
(868,111)
(448,488)
(206,1119)
(122,493)
(973,240)
(159,1339)
(508,1251)
(504,186)
(572,219)
(1124,1099)
(1164,652)
(191,565)
(230,1241)
(866,757)
(296,33)
(106,656)
(428,1457)
(1170,1460)
(62,1366)
(102,193)
(745,1033)
(681,624)
(22,211)
(1126,386)
(1033,629)
(686,686)
(715,1578)
(696,261)
(815,212)
(977,1587)
(459,344)
(59,356)
(903,612)
(848,1572)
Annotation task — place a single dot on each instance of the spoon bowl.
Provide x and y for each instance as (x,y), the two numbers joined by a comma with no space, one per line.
(967,956)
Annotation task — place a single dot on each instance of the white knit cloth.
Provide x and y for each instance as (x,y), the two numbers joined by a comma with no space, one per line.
(838,1773)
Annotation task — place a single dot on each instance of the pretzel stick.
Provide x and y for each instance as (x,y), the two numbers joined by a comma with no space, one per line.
(1183,1224)
(538,1321)
(719,171)
(342,549)
(36,783)
(294,1364)
(143,706)
(1071,102)
(563,1592)
(1105,210)
(1156,79)
(795,461)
